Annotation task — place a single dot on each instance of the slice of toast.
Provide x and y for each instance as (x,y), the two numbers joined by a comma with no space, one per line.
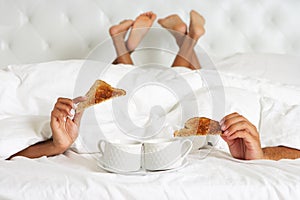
(199,126)
(99,92)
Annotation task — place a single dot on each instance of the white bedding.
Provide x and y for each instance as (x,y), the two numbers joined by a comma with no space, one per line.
(218,176)
(31,90)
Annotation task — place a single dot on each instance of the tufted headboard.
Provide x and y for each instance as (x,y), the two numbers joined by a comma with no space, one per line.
(44,30)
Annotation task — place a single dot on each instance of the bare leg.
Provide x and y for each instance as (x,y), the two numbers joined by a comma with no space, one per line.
(118,33)
(140,28)
(178,29)
(196,30)
(186,56)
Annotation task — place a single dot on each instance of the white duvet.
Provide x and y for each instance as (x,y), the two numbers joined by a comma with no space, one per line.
(242,83)
(218,176)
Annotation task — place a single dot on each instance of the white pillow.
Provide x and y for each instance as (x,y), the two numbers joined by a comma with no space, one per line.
(39,85)
(279,123)
(275,68)
(270,75)
(285,93)
(8,88)
(17,133)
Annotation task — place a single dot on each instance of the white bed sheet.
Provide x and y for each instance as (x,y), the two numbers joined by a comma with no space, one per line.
(217,176)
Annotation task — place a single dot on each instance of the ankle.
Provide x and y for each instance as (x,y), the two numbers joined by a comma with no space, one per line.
(196,33)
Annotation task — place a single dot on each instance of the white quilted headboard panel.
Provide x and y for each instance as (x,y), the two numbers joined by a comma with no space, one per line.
(43,30)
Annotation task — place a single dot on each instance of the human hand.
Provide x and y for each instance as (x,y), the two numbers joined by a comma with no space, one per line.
(64,129)
(241,136)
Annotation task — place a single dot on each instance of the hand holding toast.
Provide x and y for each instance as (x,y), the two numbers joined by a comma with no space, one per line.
(64,129)
(241,136)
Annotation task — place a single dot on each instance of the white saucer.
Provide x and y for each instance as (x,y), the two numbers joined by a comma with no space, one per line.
(141,172)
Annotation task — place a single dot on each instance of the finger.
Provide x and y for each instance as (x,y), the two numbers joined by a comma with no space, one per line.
(249,140)
(77,118)
(79,99)
(64,107)
(63,110)
(57,113)
(229,116)
(235,119)
(229,142)
(54,116)
(65,101)
(239,134)
(225,138)
(58,116)
(240,126)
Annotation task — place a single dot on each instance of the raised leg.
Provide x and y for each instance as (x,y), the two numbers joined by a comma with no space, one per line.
(186,41)
(185,54)
(139,29)
(118,33)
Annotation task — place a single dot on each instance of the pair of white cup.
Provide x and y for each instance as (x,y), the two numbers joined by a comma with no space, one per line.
(151,155)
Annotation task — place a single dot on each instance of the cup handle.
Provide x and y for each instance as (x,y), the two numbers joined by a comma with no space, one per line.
(188,149)
(100,145)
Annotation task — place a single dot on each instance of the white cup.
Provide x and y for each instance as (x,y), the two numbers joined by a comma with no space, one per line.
(198,141)
(121,155)
(162,153)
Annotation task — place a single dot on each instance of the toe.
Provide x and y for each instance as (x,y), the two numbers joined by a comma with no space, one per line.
(113,30)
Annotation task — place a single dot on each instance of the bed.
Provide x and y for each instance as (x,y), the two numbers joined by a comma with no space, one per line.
(251,64)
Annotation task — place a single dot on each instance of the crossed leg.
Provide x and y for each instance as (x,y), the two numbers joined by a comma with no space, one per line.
(186,41)
(118,33)
(140,27)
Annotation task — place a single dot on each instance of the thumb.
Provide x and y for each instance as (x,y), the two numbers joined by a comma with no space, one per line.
(78,116)
(79,99)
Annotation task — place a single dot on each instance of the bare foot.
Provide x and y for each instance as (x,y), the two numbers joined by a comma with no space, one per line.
(175,26)
(174,23)
(121,29)
(140,27)
(196,29)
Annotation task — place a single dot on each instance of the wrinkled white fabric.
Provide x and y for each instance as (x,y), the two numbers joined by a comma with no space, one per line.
(210,174)
(181,93)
